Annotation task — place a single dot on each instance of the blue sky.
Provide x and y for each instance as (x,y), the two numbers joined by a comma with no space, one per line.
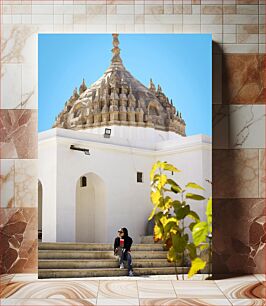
(180,63)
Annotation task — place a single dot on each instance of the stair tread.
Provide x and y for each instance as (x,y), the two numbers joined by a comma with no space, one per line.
(98,260)
(109,269)
(95,251)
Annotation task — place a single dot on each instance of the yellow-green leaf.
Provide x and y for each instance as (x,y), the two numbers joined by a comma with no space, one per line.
(179,243)
(169,167)
(191,225)
(155,197)
(194,186)
(204,246)
(209,214)
(193,215)
(174,184)
(192,250)
(154,168)
(200,232)
(162,181)
(176,189)
(152,213)
(196,265)
(182,212)
(158,235)
(171,255)
(193,196)
(167,202)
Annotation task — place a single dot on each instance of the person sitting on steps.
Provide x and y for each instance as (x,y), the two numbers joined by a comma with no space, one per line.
(122,247)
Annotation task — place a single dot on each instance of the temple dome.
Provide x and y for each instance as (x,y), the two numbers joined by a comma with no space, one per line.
(117,98)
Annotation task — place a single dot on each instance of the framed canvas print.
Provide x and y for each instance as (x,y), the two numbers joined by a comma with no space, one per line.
(124,154)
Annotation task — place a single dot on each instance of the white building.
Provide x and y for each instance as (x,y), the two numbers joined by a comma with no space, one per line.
(86,198)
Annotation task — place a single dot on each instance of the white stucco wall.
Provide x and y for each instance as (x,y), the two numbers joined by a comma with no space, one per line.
(115,162)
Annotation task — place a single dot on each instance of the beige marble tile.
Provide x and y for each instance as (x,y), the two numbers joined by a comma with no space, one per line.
(118,302)
(235,173)
(158,28)
(10,85)
(229,9)
(120,19)
(240,19)
(199,289)
(5,279)
(51,290)
(118,290)
(247,28)
(191,19)
(191,28)
(168,9)
(26,176)
(211,9)
(242,290)
(229,38)
(29,88)
(211,19)
(209,28)
(240,48)
(14,125)
(260,277)
(42,19)
(262,175)
(98,20)
(247,38)
(155,289)
(7,183)
(43,9)
(245,121)
(248,9)
(44,302)
(153,9)
(248,302)
(183,302)
(125,9)
(25,277)
(96,9)
(229,29)
(163,19)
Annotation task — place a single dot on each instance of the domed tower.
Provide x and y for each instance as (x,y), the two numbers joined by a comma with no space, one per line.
(118,99)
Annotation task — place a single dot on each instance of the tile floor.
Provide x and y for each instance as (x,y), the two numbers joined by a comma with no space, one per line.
(26,289)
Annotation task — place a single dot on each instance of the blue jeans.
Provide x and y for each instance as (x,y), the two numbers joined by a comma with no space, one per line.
(124,255)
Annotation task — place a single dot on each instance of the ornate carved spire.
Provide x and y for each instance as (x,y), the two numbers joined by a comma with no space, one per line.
(152,86)
(116,50)
(82,87)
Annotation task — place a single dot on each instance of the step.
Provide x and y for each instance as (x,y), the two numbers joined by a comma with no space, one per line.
(77,254)
(148,240)
(96,263)
(65,273)
(94,246)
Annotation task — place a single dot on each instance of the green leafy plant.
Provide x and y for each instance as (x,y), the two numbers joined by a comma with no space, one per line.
(174,218)
(202,233)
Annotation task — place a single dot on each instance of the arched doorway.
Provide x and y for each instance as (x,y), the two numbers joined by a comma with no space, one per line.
(40,197)
(90,209)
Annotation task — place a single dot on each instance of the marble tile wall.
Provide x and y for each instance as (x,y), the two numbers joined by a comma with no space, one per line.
(238,29)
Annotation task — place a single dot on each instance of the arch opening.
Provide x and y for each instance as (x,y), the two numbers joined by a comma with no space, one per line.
(90,209)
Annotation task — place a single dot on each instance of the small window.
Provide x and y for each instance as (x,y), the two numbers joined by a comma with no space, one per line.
(83,181)
(139,177)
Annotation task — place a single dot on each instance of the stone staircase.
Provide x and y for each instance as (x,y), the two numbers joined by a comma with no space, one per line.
(62,260)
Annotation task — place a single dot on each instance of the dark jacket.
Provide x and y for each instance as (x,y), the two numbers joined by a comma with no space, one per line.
(127,241)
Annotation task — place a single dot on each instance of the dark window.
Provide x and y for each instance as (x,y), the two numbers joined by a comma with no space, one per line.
(139,177)
(83,181)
